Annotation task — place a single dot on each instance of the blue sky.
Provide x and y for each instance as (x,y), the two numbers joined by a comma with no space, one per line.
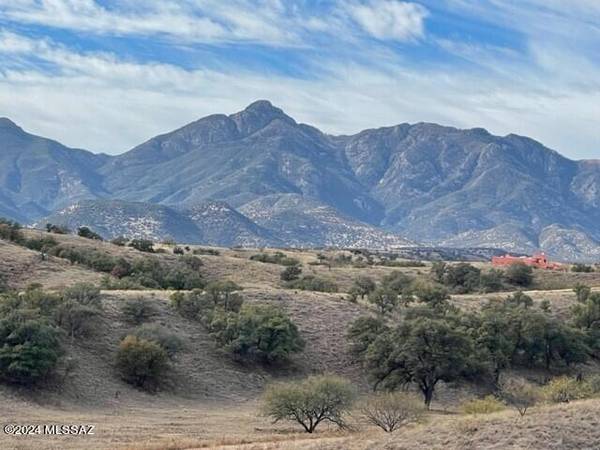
(108,74)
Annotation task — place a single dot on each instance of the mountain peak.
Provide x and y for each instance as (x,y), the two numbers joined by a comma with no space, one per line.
(7,124)
(257,115)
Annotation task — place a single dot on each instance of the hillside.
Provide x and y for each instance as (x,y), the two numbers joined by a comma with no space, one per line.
(207,390)
(297,186)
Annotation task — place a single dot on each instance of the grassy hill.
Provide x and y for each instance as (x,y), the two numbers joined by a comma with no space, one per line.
(211,400)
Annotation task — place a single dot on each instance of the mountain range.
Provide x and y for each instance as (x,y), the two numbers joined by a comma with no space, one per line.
(257,177)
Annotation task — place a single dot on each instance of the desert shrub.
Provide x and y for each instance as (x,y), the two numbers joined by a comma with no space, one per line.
(432,294)
(44,243)
(87,233)
(491,281)
(90,257)
(191,261)
(565,389)
(3,284)
(519,299)
(385,300)
(126,283)
(45,303)
(519,394)
(582,292)
(75,318)
(259,332)
(168,340)
(121,269)
(461,278)
(396,281)
(519,274)
(224,294)
(363,286)
(485,405)
(178,250)
(121,241)
(179,278)
(390,411)
(29,347)
(141,363)
(84,294)
(581,268)
(275,258)
(206,251)
(138,310)
(313,283)
(310,402)
(192,305)
(142,245)
(290,273)
(57,229)
(594,384)
(11,231)
(395,263)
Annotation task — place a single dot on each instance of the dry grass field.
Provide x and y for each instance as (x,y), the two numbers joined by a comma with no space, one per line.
(211,401)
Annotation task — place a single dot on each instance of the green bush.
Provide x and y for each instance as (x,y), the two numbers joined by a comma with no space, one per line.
(206,251)
(275,258)
(75,318)
(260,332)
(290,273)
(193,305)
(85,232)
(90,257)
(519,274)
(581,268)
(40,244)
(142,363)
(385,300)
(486,405)
(397,281)
(84,294)
(313,283)
(3,284)
(491,281)
(126,283)
(362,286)
(310,402)
(138,310)
(142,245)
(169,341)
(57,229)
(11,231)
(29,347)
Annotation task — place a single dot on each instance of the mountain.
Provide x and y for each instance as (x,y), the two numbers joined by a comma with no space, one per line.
(39,175)
(211,223)
(303,222)
(278,181)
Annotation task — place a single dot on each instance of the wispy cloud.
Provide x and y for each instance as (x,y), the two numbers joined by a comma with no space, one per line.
(390,19)
(362,64)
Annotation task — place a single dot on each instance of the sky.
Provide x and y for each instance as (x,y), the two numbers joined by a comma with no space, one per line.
(106,75)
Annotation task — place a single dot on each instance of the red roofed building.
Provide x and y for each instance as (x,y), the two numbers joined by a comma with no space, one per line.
(539,260)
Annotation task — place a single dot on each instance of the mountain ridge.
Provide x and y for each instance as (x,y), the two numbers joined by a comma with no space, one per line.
(419,182)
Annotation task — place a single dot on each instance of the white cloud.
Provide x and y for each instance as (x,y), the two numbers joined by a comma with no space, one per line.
(100,102)
(263,21)
(390,19)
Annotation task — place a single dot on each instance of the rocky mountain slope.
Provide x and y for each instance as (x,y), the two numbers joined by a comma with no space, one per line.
(289,183)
